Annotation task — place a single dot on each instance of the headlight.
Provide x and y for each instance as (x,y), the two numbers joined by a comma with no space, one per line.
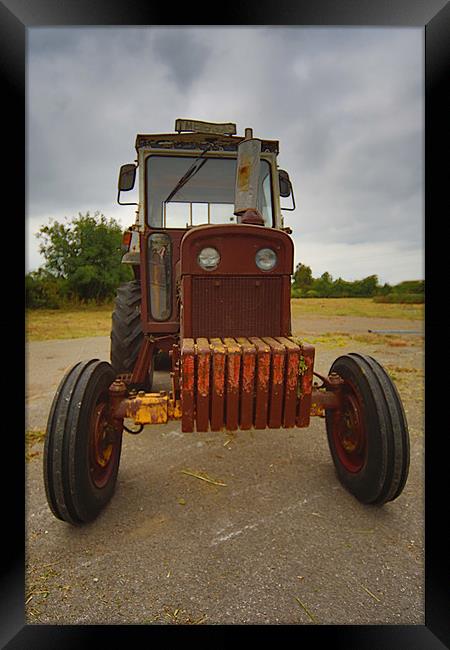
(266,259)
(208,258)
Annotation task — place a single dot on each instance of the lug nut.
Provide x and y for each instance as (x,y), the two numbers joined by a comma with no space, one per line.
(118,386)
(335,379)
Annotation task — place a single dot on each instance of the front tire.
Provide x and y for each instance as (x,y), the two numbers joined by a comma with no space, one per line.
(368,438)
(81,453)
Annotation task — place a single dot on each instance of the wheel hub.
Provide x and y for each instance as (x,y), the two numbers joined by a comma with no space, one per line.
(349,432)
(101,446)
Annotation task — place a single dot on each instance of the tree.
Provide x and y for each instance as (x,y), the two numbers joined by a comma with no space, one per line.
(324,285)
(303,278)
(384,290)
(369,285)
(366,287)
(86,253)
(342,288)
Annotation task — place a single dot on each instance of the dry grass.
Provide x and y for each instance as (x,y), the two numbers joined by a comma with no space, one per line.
(32,440)
(73,323)
(342,340)
(364,307)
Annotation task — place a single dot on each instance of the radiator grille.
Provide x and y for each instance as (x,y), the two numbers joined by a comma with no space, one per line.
(236,306)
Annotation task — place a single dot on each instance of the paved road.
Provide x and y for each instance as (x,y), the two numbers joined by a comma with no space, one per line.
(282,542)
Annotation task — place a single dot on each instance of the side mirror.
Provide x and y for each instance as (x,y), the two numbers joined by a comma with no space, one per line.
(286,188)
(285,183)
(127,176)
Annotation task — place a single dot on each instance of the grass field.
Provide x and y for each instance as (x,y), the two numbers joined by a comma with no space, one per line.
(355,307)
(69,323)
(72,323)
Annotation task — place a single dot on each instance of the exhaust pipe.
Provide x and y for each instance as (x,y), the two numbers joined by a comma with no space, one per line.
(247,180)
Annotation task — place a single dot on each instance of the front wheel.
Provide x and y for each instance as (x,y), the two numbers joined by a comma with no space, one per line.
(368,436)
(82,449)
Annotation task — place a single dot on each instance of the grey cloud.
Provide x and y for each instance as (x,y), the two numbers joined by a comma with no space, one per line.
(182,52)
(390,166)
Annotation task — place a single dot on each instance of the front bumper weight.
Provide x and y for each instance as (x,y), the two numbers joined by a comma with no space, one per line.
(226,384)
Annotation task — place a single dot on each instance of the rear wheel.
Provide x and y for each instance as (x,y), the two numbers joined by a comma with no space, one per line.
(126,331)
(82,451)
(368,437)
(162,361)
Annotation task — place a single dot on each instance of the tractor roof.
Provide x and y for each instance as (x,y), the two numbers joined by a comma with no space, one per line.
(196,140)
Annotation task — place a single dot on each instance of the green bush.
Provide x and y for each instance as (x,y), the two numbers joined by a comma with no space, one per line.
(306,286)
(44,291)
(410,286)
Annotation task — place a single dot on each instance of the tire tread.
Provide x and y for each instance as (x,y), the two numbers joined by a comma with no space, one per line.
(63,429)
(394,438)
(126,330)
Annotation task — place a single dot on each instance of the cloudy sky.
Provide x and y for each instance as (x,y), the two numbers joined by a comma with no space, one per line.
(346,104)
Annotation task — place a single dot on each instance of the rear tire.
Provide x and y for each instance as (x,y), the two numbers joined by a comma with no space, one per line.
(126,331)
(162,361)
(81,456)
(369,441)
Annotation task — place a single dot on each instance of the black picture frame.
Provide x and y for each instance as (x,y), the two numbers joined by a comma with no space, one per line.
(434,16)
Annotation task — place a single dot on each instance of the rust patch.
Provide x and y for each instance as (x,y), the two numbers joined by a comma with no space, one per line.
(232,383)
(248,370)
(148,408)
(324,400)
(203,367)
(218,384)
(244,177)
(247,383)
(277,383)
(187,384)
(262,382)
(203,384)
(174,409)
(291,381)
(317,410)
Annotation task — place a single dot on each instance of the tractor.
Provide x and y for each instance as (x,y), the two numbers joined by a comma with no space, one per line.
(210,303)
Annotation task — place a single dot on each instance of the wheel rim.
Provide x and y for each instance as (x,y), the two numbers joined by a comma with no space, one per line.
(102,447)
(349,431)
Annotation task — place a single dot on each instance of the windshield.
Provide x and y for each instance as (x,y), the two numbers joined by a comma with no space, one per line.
(207,197)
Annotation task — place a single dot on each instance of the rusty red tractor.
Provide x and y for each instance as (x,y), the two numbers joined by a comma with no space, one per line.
(210,303)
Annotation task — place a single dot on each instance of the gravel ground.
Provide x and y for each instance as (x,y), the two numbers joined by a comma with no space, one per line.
(282,542)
